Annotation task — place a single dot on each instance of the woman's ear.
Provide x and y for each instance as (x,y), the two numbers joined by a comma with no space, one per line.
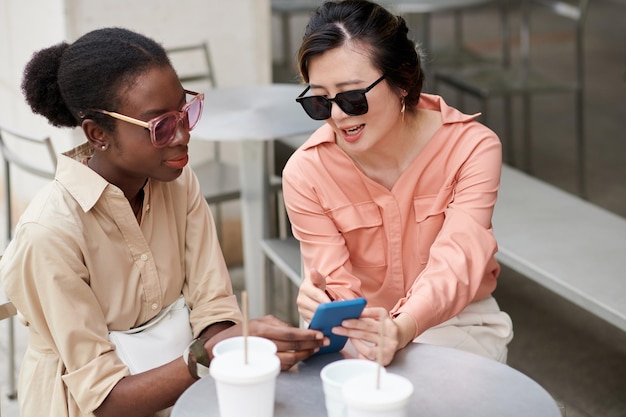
(95,135)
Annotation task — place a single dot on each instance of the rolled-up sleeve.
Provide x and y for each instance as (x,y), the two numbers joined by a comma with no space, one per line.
(63,315)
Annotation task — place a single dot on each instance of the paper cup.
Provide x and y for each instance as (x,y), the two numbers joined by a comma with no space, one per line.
(364,399)
(259,344)
(245,389)
(335,374)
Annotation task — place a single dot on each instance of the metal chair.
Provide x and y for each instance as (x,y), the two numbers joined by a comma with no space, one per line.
(282,255)
(523,80)
(219,180)
(23,151)
(456,53)
(8,311)
(282,260)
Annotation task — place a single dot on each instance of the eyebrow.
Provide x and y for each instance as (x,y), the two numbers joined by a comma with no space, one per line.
(152,113)
(339,85)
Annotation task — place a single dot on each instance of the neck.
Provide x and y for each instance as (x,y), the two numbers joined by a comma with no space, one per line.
(136,204)
(397,149)
(132,187)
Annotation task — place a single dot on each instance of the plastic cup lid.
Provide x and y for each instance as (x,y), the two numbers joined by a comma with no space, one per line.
(230,367)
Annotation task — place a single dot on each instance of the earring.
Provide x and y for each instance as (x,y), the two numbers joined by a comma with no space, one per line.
(403,109)
(104,147)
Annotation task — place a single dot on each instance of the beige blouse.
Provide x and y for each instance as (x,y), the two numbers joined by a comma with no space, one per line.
(81,265)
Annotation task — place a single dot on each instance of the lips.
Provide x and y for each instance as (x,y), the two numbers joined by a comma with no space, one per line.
(177,163)
(351,134)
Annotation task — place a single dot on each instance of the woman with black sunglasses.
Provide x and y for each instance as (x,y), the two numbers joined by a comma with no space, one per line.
(392,198)
(119,235)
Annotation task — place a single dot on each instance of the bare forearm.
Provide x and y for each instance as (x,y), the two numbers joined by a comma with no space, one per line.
(146,393)
(154,390)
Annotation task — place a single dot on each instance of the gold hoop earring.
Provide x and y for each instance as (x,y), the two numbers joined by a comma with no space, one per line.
(403,109)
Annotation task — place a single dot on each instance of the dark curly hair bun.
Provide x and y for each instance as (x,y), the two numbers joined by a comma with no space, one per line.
(41,88)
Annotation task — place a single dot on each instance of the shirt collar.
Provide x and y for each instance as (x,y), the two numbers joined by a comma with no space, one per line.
(83,183)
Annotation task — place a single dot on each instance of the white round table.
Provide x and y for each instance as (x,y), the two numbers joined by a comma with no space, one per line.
(253,113)
(447,382)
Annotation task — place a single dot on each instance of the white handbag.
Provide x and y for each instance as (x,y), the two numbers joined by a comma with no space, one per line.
(159,341)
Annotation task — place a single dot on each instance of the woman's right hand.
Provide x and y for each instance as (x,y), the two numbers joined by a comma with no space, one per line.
(312,293)
(293,344)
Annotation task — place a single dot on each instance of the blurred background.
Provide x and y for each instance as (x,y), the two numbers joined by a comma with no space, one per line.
(578,358)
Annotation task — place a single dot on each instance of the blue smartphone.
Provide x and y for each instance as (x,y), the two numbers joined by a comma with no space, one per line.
(329,315)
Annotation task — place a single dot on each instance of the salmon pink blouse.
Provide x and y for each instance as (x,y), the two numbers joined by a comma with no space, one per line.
(425,247)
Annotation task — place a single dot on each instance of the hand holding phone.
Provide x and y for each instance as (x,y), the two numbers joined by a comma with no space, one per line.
(329,315)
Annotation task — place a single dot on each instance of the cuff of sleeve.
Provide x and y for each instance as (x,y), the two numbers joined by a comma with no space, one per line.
(90,385)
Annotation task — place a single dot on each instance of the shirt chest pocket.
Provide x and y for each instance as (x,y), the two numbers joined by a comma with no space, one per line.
(429,218)
(362,228)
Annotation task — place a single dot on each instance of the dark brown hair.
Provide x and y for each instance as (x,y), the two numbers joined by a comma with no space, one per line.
(392,52)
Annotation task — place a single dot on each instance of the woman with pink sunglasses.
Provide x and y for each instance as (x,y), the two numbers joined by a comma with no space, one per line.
(119,235)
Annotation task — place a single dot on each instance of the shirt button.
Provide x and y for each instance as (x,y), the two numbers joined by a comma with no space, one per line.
(155,306)
(144,257)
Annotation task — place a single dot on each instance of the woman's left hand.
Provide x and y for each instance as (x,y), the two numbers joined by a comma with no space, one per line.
(364,334)
(293,344)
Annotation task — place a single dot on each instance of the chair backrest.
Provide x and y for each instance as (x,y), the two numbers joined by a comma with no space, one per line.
(194,67)
(23,151)
(575,11)
(7,310)
(193,63)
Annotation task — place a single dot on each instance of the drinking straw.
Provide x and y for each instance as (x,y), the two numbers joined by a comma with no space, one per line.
(379,356)
(244,302)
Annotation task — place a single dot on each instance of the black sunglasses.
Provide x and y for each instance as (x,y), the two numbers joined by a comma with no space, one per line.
(353,102)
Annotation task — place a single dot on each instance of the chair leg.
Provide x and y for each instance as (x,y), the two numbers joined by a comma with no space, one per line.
(11,368)
(526,134)
(292,308)
(507,137)
(485,112)
(269,286)
(580,146)
(508,130)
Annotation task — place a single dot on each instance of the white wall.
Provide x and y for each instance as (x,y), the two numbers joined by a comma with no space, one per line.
(24,28)
(238,32)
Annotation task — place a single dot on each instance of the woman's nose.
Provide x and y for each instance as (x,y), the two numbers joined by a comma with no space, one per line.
(182,134)
(337,112)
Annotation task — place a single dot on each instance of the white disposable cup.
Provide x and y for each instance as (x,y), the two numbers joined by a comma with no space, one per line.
(259,344)
(364,399)
(245,389)
(335,374)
